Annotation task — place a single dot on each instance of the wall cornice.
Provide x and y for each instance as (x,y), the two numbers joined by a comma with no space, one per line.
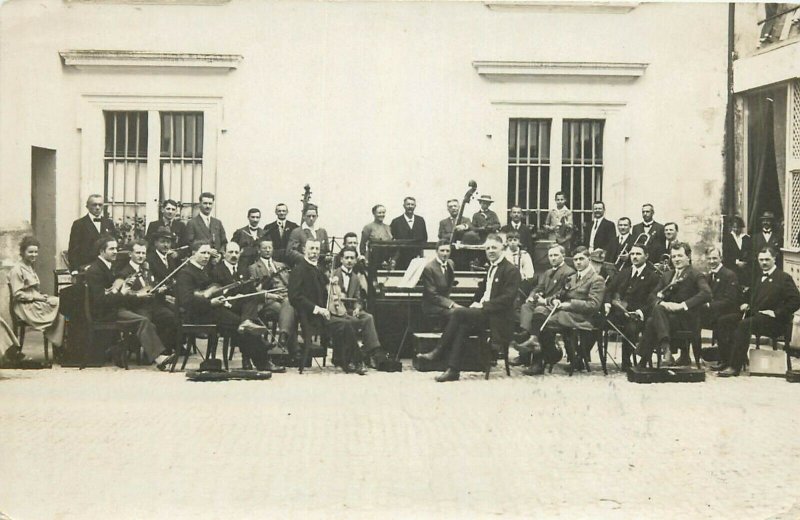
(499,70)
(121,60)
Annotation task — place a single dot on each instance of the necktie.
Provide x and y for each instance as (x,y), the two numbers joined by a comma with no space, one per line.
(580,275)
(444,269)
(621,240)
(596,223)
(764,278)
(280,228)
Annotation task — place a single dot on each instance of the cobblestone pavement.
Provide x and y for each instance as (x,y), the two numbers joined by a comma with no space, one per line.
(106,443)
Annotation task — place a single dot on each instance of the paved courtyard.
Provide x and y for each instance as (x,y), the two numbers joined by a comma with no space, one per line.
(106,443)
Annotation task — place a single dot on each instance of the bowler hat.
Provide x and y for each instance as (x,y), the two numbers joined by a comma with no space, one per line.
(163,232)
(768,215)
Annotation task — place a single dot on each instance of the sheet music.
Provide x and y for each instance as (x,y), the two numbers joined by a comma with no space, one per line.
(413,273)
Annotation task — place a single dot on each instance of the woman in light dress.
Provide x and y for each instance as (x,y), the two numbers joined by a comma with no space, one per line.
(39,311)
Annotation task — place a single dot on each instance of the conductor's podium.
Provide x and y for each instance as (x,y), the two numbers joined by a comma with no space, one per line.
(424,342)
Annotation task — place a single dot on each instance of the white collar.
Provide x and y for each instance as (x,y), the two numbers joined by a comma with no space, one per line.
(348,272)
(625,236)
(770,272)
(409,219)
(196,264)
(645,224)
(717,270)
(92,217)
(312,229)
(230,266)
(309,261)
(135,266)
(161,255)
(266,261)
(589,270)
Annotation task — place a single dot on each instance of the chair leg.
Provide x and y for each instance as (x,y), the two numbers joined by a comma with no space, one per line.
(304,357)
(226,343)
(21,336)
(505,360)
(46,350)
(697,349)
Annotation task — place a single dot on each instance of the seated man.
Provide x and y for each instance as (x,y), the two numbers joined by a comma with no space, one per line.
(161,259)
(534,311)
(519,258)
(774,299)
(112,301)
(437,281)
(725,292)
(308,293)
(273,275)
(575,306)
(627,295)
(203,305)
(152,305)
(672,306)
(492,307)
(353,285)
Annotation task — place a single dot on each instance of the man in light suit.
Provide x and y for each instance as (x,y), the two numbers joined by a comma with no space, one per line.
(437,282)
(86,231)
(248,237)
(295,249)
(603,232)
(279,230)
(653,229)
(205,227)
(492,307)
(408,226)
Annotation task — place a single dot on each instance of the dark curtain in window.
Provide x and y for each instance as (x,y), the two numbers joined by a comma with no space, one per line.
(764,193)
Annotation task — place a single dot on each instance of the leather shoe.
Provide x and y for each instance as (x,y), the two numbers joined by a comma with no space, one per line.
(272,367)
(249,327)
(534,370)
(719,366)
(728,372)
(448,375)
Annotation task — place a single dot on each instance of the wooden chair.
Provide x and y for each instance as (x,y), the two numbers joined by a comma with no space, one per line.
(491,354)
(94,326)
(18,326)
(189,333)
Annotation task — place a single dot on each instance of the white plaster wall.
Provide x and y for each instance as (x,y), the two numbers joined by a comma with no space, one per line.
(371,101)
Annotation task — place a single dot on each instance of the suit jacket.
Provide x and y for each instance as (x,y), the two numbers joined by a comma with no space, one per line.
(656,240)
(436,287)
(525,239)
(196,229)
(297,244)
(584,297)
(759,242)
(157,267)
(177,227)
(724,292)
(248,244)
(222,276)
(692,289)
(446,227)
(82,238)
(634,292)
(552,281)
(104,306)
(777,293)
(615,248)
(605,235)
(401,231)
(279,278)
(357,289)
(307,288)
(731,252)
(500,305)
(279,242)
(145,276)
(188,280)
(485,223)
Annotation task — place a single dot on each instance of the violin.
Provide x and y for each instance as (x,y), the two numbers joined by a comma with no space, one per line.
(122,285)
(214,290)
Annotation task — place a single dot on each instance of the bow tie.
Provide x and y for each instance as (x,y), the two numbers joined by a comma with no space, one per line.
(97,220)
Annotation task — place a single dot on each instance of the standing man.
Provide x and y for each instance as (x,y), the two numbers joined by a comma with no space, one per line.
(409,227)
(769,236)
(774,299)
(86,231)
(627,296)
(169,219)
(308,230)
(603,232)
(448,227)
(247,237)
(308,293)
(279,230)
(437,282)
(516,224)
(672,306)
(205,227)
(492,307)
(620,247)
(113,304)
(485,221)
(653,229)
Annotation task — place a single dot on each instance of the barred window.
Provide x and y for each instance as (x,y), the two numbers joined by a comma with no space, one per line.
(182,160)
(582,166)
(125,180)
(529,168)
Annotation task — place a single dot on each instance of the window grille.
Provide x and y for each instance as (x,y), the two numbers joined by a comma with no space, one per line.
(529,168)
(582,166)
(126,172)
(182,160)
(794,229)
(795,122)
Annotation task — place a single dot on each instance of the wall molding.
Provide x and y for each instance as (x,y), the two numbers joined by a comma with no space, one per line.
(125,60)
(500,70)
(590,7)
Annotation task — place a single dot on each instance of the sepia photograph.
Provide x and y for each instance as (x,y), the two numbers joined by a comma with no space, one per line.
(425,259)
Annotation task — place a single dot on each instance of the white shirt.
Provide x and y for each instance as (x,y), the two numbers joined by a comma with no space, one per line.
(313,231)
(231,267)
(97,225)
(737,239)
(637,271)
(586,272)
(623,238)
(767,235)
(595,227)
(253,232)
(163,259)
(765,275)
(489,282)
(346,278)
(206,219)
(409,221)
(522,261)
(516,225)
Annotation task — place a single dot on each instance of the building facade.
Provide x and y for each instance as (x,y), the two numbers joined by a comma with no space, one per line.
(365,101)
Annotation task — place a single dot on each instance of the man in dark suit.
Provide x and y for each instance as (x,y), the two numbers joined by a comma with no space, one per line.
(603,232)
(86,231)
(652,229)
(308,293)
(408,226)
(190,289)
(110,302)
(248,236)
(627,293)
(295,250)
(159,258)
(205,227)
(737,251)
(437,282)
(279,230)
(769,236)
(620,247)
(170,220)
(725,293)
(672,306)
(448,227)
(492,307)
(516,224)
(773,301)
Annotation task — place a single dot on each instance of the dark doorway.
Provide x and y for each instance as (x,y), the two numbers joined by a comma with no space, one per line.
(766,155)
(43,212)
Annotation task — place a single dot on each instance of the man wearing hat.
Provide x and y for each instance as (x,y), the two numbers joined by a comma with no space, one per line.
(769,236)
(485,221)
(169,220)
(597,259)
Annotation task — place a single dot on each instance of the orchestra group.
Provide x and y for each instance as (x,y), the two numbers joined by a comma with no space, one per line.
(638,279)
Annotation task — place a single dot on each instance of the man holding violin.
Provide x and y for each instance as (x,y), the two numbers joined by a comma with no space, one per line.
(111,299)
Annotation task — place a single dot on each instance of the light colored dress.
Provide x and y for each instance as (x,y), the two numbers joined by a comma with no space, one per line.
(374,231)
(39,315)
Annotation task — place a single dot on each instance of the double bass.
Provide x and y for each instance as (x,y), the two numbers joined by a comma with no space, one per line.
(473,187)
